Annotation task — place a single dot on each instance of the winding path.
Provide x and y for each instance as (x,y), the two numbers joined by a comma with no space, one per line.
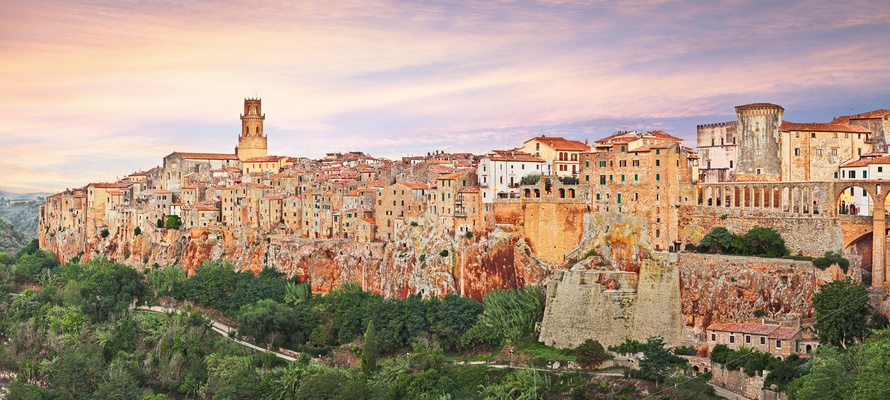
(220,328)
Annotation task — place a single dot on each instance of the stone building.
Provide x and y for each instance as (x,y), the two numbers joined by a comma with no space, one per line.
(647,181)
(877,122)
(761,147)
(779,341)
(179,165)
(399,200)
(561,154)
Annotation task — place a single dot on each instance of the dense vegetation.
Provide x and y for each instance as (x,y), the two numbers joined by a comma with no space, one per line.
(758,241)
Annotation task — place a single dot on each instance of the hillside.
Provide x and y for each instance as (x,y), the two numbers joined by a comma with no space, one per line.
(11,240)
(22,213)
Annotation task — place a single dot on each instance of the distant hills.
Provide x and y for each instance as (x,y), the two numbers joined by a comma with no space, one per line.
(11,240)
(22,211)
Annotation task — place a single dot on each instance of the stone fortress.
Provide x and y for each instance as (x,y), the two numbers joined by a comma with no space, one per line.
(604,223)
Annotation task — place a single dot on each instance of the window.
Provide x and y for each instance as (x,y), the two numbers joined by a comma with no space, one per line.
(635,163)
(657,177)
(778,344)
(747,338)
(730,164)
(880,169)
(622,163)
(713,337)
(819,152)
(835,174)
(657,163)
(622,149)
(813,135)
(636,196)
(762,340)
(602,164)
(864,174)
(797,151)
(636,177)
(587,164)
(622,177)
(852,174)
(586,178)
(731,338)
(597,196)
(619,198)
(602,179)
(834,152)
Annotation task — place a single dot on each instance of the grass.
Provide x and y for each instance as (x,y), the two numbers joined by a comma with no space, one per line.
(542,351)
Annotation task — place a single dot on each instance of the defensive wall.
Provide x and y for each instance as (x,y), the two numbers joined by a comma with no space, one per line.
(613,306)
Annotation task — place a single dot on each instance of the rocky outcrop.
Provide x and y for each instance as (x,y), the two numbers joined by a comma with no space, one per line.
(422,259)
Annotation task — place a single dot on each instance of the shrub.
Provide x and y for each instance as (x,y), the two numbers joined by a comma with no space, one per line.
(137,231)
(422,257)
(469,234)
(569,180)
(443,253)
(720,239)
(530,179)
(173,222)
(160,224)
(104,233)
(628,347)
(830,259)
(591,354)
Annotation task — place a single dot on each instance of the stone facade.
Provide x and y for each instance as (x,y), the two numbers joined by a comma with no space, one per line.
(718,151)
(612,307)
(252,141)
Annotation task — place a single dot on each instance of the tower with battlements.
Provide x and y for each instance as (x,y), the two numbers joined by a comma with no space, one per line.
(760,143)
(252,140)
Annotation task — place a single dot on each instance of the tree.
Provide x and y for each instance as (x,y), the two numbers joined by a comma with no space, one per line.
(831,258)
(275,324)
(137,231)
(768,241)
(591,354)
(530,179)
(173,222)
(109,290)
(841,307)
(657,361)
(719,240)
(370,350)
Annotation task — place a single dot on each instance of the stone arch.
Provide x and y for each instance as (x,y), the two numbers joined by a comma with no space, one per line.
(786,199)
(736,194)
(816,201)
(537,193)
(808,349)
(562,193)
(527,193)
(571,193)
(854,200)
(776,201)
(710,196)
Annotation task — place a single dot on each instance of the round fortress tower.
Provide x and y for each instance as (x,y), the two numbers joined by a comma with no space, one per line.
(252,140)
(760,145)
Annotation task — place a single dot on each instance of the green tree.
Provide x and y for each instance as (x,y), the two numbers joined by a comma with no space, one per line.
(591,354)
(110,290)
(77,372)
(719,240)
(831,376)
(657,360)
(768,241)
(173,222)
(370,350)
(841,307)
(831,258)
(137,231)
(275,324)
(530,179)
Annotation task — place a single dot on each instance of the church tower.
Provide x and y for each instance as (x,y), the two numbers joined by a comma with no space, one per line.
(252,140)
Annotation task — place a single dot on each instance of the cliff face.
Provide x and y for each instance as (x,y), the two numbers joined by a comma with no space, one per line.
(421,260)
(719,288)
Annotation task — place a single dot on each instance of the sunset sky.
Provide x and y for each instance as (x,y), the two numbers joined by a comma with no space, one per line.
(94,90)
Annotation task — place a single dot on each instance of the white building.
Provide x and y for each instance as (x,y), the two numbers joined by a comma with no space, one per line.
(501,171)
(871,166)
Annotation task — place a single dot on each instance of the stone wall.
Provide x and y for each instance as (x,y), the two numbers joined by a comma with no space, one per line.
(611,307)
(738,381)
(800,233)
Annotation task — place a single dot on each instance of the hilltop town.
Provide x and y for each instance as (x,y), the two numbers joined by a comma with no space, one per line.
(618,216)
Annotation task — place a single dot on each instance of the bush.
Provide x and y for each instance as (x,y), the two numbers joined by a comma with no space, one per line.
(591,354)
(160,224)
(137,231)
(173,222)
(628,347)
(569,180)
(530,179)
(104,233)
(720,239)
(469,235)
(443,253)
(830,259)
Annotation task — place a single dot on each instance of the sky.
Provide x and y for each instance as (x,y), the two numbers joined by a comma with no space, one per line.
(94,90)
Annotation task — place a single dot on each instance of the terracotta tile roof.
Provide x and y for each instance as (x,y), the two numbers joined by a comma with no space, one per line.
(865,161)
(451,176)
(817,127)
(103,185)
(785,333)
(558,143)
(264,159)
(751,329)
(871,114)
(368,220)
(844,119)
(663,135)
(206,208)
(513,155)
(757,105)
(416,185)
(206,156)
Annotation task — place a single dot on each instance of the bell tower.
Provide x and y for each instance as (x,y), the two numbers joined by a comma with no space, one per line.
(252,140)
